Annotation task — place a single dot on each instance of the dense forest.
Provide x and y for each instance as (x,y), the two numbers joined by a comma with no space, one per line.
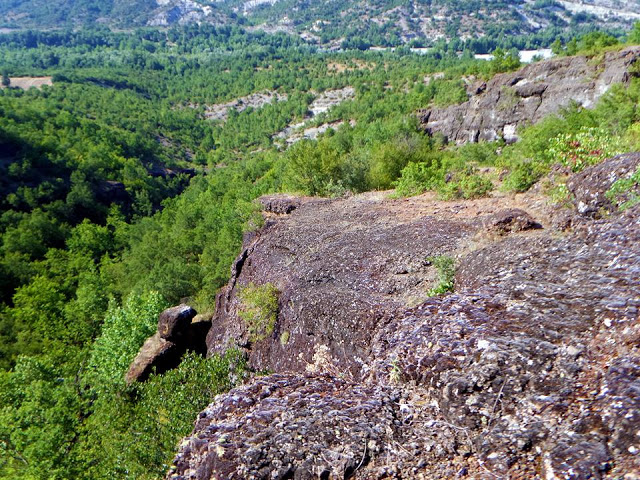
(123,193)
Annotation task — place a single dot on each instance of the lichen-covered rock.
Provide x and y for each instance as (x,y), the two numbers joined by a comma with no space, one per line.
(590,186)
(510,100)
(283,204)
(287,426)
(529,370)
(511,220)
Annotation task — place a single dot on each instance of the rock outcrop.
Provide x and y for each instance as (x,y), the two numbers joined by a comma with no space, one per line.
(530,369)
(178,331)
(498,107)
(590,186)
(343,267)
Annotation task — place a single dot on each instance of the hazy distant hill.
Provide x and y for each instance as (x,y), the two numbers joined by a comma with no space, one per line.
(373,22)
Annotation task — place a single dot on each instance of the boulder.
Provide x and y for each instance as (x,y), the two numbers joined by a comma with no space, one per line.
(284,204)
(179,330)
(174,322)
(511,220)
(156,353)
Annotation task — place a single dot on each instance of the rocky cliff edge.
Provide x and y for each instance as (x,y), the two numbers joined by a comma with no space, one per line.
(530,368)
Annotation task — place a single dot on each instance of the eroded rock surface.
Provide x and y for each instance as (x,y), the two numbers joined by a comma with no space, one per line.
(590,186)
(341,268)
(529,370)
(496,108)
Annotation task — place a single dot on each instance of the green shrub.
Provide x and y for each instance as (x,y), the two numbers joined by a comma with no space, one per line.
(259,309)
(464,184)
(523,175)
(449,92)
(386,164)
(312,167)
(135,436)
(446,274)
(588,146)
(481,153)
(124,331)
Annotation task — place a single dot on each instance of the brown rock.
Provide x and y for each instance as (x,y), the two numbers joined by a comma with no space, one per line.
(156,353)
(511,220)
(176,335)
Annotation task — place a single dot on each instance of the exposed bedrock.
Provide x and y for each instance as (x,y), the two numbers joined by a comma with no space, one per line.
(342,268)
(590,186)
(497,107)
(530,369)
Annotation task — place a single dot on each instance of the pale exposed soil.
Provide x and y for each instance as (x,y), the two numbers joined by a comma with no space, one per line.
(26,83)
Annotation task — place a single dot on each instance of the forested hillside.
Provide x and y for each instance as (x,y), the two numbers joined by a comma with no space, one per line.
(124,190)
(341,24)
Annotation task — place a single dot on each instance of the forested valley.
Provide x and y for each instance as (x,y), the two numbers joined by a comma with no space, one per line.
(128,183)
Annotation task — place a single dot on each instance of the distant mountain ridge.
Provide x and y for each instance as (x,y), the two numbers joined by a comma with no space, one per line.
(375,22)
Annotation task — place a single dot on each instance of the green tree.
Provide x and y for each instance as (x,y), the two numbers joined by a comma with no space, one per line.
(634,35)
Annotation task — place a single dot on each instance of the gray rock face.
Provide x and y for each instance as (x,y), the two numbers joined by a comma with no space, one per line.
(509,100)
(182,12)
(590,186)
(529,370)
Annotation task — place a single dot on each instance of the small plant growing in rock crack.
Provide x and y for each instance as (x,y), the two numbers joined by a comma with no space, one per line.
(395,375)
(259,309)
(446,273)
